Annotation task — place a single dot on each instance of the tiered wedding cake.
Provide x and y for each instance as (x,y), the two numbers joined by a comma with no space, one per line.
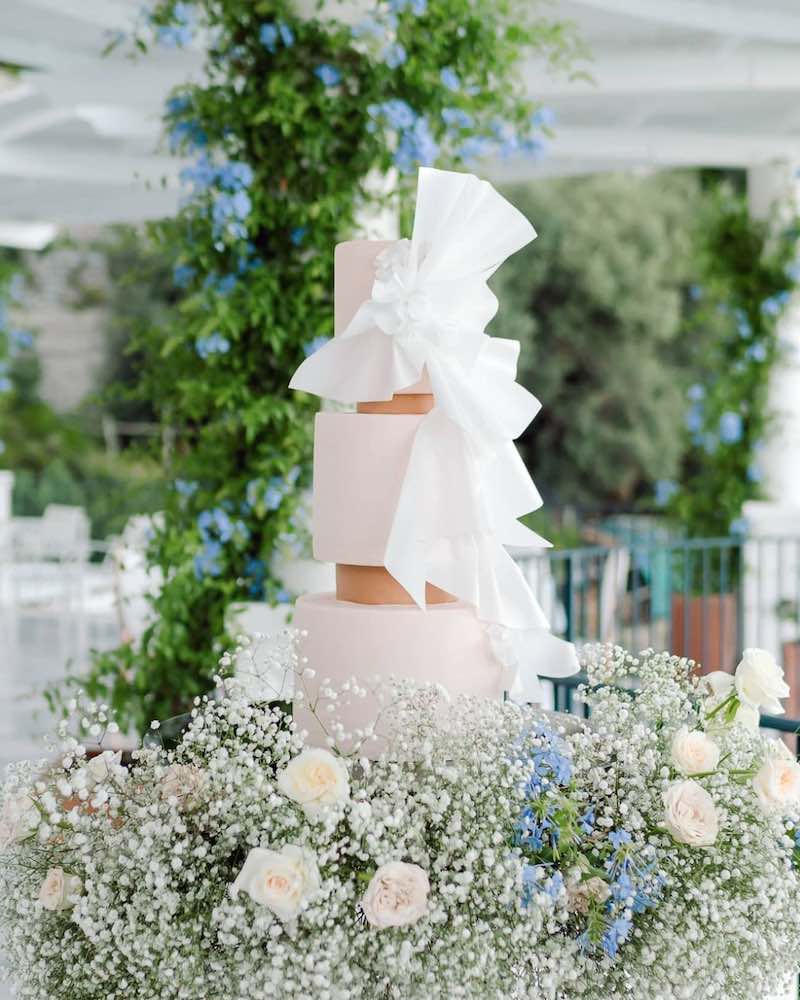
(418,492)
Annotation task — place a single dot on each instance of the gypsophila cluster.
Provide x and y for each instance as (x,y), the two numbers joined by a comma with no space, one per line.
(479,850)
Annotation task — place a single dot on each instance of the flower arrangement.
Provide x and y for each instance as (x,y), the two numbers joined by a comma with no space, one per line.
(489,850)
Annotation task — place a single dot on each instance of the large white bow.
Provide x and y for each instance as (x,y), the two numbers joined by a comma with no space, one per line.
(465,487)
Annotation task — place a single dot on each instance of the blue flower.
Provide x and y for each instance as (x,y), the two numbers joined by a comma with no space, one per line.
(696,392)
(543,118)
(226,284)
(314,345)
(754,474)
(398,113)
(283,597)
(5,384)
(268,36)
(449,78)
(773,306)
(695,292)
(587,821)
(183,274)
(757,352)
(665,491)
(457,118)
(178,104)
(235,175)
(694,418)
(185,487)
(417,7)
(21,340)
(730,427)
(207,562)
(200,175)
(474,148)
(619,838)
(215,343)
(256,572)
(174,36)
(187,135)
(738,526)
(329,75)
(394,55)
(298,234)
(616,935)
(417,147)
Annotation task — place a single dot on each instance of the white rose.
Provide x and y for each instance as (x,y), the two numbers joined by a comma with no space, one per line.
(315,779)
(720,682)
(183,782)
(689,814)
(100,767)
(18,820)
(397,895)
(777,783)
(694,752)
(59,890)
(748,717)
(759,681)
(280,880)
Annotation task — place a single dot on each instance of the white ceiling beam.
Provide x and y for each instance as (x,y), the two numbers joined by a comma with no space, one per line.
(741,21)
(89,166)
(572,149)
(677,72)
(109,14)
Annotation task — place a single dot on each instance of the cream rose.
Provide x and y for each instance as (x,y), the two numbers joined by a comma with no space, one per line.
(183,782)
(315,779)
(280,880)
(59,890)
(777,783)
(689,814)
(759,681)
(18,820)
(694,752)
(100,767)
(397,895)
(583,894)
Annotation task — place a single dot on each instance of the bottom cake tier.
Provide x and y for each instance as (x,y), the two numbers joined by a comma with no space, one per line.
(445,644)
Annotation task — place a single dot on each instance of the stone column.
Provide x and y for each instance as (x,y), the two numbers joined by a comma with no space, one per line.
(772,552)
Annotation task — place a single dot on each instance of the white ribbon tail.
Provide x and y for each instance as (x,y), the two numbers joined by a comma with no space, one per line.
(539,653)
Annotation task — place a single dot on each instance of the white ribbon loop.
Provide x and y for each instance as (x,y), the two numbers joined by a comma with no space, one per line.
(465,486)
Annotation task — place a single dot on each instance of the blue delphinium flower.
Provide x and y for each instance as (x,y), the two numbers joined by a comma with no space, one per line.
(474,148)
(21,340)
(235,175)
(200,175)
(694,418)
(215,524)
(188,136)
(186,487)
(616,935)
(754,473)
(618,839)
(757,352)
(175,36)
(298,235)
(226,284)
(314,345)
(449,78)
(206,562)
(284,597)
(773,306)
(696,392)
(394,55)
(255,571)
(397,113)
(328,75)
(665,491)
(215,343)
(457,118)
(183,274)
(543,118)
(417,147)
(730,427)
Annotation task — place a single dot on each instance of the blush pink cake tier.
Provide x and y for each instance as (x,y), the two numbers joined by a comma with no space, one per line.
(360,461)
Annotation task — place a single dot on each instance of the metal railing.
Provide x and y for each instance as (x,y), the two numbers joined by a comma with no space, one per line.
(564,701)
(706,599)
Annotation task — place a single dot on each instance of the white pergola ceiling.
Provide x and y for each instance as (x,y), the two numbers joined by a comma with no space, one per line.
(675,82)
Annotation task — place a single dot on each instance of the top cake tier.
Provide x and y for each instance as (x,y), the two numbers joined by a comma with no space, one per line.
(354,274)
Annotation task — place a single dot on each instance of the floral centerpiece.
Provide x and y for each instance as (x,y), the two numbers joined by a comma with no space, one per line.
(488,850)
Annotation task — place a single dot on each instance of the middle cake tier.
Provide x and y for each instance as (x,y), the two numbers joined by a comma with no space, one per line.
(360,461)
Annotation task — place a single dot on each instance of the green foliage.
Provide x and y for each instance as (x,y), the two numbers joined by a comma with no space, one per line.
(747,275)
(596,301)
(293,119)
